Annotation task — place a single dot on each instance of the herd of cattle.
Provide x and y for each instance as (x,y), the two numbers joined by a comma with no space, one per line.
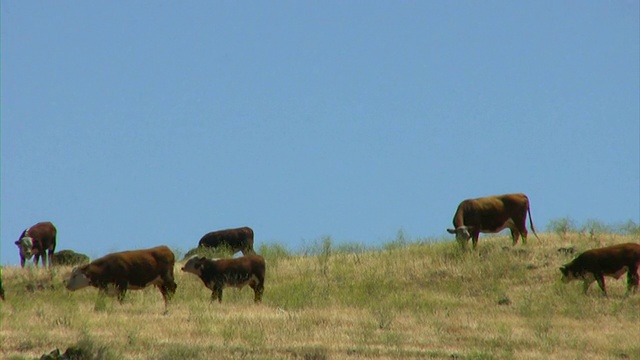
(137,269)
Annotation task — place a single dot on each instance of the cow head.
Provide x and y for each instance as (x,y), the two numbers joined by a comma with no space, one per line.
(25,245)
(463,233)
(195,265)
(78,279)
(569,274)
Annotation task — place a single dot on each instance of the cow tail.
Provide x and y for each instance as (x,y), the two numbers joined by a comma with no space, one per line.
(533,229)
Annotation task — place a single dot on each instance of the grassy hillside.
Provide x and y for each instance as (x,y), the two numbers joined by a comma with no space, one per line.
(406,300)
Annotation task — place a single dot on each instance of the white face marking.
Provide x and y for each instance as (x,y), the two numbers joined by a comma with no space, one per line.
(78,280)
(190,266)
(462,234)
(25,244)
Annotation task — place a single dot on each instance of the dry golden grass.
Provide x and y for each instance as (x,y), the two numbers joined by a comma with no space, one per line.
(417,300)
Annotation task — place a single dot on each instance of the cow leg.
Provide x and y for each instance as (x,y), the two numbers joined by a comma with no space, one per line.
(216,294)
(515,236)
(474,239)
(586,284)
(167,289)
(258,290)
(632,280)
(36,259)
(520,230)
(50,252)
(122,290)
(600,280)
(169,286)
(22,261)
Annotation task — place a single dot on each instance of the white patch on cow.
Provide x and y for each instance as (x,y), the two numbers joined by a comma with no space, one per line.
(78,280)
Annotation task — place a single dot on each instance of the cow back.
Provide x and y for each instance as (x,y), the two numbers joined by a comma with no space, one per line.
(240,239)
(490,212)
(137,267)
(607,260)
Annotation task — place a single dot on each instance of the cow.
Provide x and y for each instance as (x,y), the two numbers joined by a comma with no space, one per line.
(240,239)
(38,240)
(69,258)
(613,261)
(125,270)
(238,272)
(492,214)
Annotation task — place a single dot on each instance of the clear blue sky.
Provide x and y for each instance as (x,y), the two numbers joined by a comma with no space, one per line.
(134,124)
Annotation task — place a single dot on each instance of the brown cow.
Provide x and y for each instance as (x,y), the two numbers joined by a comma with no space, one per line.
(240,239)
(613,261)
(216,274)
(125,270)
(37,241)
(492,214)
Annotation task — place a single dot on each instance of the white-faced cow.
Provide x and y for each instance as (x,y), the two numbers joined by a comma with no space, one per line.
(216,274)
(613,261)
(134,270)
(492,214)
(38,240)
(240,239)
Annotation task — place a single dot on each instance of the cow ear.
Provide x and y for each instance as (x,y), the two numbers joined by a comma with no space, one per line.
(17,242)
(451,231)
(563,269)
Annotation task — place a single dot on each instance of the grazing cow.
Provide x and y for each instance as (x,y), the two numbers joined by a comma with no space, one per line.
(216,274)
(613,261)
(125,270)
(38,240)
(492,214)
(69,258)
(240,239)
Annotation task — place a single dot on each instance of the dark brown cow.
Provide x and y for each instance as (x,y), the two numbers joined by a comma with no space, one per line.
(216,274)
(240,239)
(69,258)
(613,261)
(125,270)
(492,214)
(38,240)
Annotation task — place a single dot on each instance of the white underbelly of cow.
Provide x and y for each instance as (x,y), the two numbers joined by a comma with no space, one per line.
(509,224)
